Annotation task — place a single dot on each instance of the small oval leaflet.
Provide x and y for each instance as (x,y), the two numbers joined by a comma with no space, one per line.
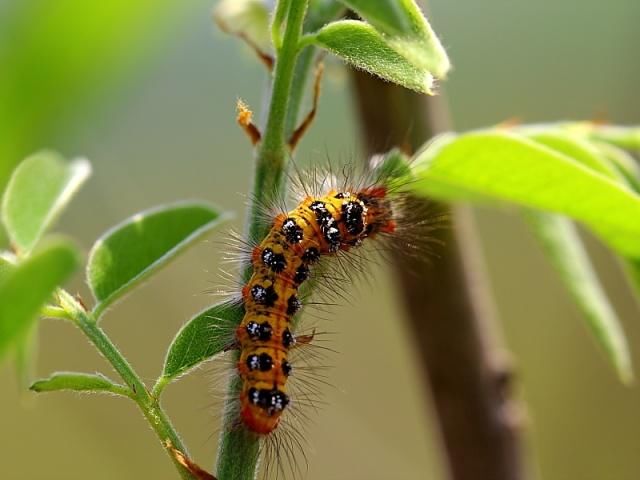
(25,287)
(78,382)
(202,337)
(39,189)
(130,252)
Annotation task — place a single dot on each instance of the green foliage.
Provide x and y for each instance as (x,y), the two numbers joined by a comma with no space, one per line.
(397,44)
(563,168)
(60,55)
(623,162)
(202,337)
(39,189)
(127,254)
(579,170)
(26,287)
(566,252)
(579,149)
(364,47)
(623,137)
(407,31)
(7,262)
(79,382)
(387,16)
(505,166)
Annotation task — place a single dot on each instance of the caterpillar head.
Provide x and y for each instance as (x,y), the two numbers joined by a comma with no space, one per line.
(379,211)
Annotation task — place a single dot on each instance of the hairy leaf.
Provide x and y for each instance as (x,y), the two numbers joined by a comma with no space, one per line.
(565,250)
(362,46)
(38,190)
(508,167)
(130,252)
(387,16)
(78,382)
(202,337)
(407,31)
(25,288)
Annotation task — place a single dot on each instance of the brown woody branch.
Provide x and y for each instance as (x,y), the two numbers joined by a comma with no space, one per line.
(448,307)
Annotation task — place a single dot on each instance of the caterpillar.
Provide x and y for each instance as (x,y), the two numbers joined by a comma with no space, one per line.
(338,221)
(323,240)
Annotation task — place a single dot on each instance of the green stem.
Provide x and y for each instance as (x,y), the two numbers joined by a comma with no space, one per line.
(272,150)
(238,449)
(149,405)
(276,25)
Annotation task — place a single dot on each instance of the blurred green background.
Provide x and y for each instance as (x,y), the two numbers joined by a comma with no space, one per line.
(154,111)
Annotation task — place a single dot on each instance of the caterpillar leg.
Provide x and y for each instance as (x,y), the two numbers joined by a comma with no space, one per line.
(244,119)
(299,132)
(186,462)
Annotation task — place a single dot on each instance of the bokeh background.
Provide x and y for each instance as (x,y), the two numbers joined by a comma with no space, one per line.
(154,111)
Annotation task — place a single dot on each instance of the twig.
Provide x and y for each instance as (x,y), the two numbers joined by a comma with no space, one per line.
(149,406)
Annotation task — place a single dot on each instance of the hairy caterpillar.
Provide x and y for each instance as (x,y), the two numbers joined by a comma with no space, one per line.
(320,226)
(320,240)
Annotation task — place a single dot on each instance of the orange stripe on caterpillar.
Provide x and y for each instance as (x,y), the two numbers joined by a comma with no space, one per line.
(281,263)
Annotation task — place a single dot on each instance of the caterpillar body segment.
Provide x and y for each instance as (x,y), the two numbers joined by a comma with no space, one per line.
(282,262)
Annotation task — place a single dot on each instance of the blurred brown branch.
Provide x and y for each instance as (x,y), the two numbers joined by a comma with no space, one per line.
(448,306)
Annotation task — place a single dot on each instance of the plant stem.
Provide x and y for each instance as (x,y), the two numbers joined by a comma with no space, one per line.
(276,25)
(149,405)
(272,150)
(239,450)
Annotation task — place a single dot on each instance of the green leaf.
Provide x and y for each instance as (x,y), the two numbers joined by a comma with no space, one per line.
(7,265)
(623,137)
(130,252)
(629,169)
(25,288)
(407,31)
(205,335)
(387,16)
(4,237)
(362,46)
(507,167)
(566,252)
(79,382)
(38,190)
(25,356)
(578,149)
(623,162)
